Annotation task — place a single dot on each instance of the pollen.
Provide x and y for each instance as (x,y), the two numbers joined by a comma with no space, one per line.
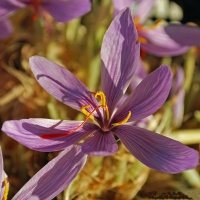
(5,196)
(123,121)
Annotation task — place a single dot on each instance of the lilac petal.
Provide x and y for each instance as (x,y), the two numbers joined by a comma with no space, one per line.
(178,108)
(140,71)
(183,34)
(29,131)
(66,10)
(100,144)
(148,96)
(139,74)
(120,55)
(61,83)
(160,43)
(54,177)
(9,6)
(178,81)
(5,28)
(143,9)
(157,151)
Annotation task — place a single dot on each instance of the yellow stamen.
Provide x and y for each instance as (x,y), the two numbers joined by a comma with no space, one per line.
(137,20)
(84,111)
(6,189)
(124,120)
(102,96)
(156,24)
(142,40)
(107,112)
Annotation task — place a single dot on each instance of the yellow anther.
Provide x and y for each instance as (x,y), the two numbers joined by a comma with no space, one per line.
(102,96)
(156,24)
(6,189)
(84,111)
(137,20)
(123,121)
(142,40)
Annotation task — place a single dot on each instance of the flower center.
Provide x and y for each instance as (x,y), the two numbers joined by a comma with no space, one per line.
(36,4)
(90,115)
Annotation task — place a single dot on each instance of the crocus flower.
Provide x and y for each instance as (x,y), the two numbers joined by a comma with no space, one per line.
(61,10)
(159,39)
(119,56)
(3,180)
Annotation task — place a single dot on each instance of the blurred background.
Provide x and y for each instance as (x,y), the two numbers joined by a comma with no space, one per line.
(76,45)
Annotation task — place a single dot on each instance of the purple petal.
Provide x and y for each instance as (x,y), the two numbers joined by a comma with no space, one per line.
(66,10)
(54,177)
(139,74)
(61,83)
(184,34)
(100,144)
(160,43)
(157,151)
(148,96)
(120,55)
(9,6)
(178,108)
(178,81)
(140,71)
(5,28)
(29,132)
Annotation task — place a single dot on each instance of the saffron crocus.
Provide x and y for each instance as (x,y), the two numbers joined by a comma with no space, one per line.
(60,10)
(159,39)
(119,55)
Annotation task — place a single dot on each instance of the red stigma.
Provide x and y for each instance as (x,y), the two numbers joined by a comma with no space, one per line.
(35,4)
(56,135)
